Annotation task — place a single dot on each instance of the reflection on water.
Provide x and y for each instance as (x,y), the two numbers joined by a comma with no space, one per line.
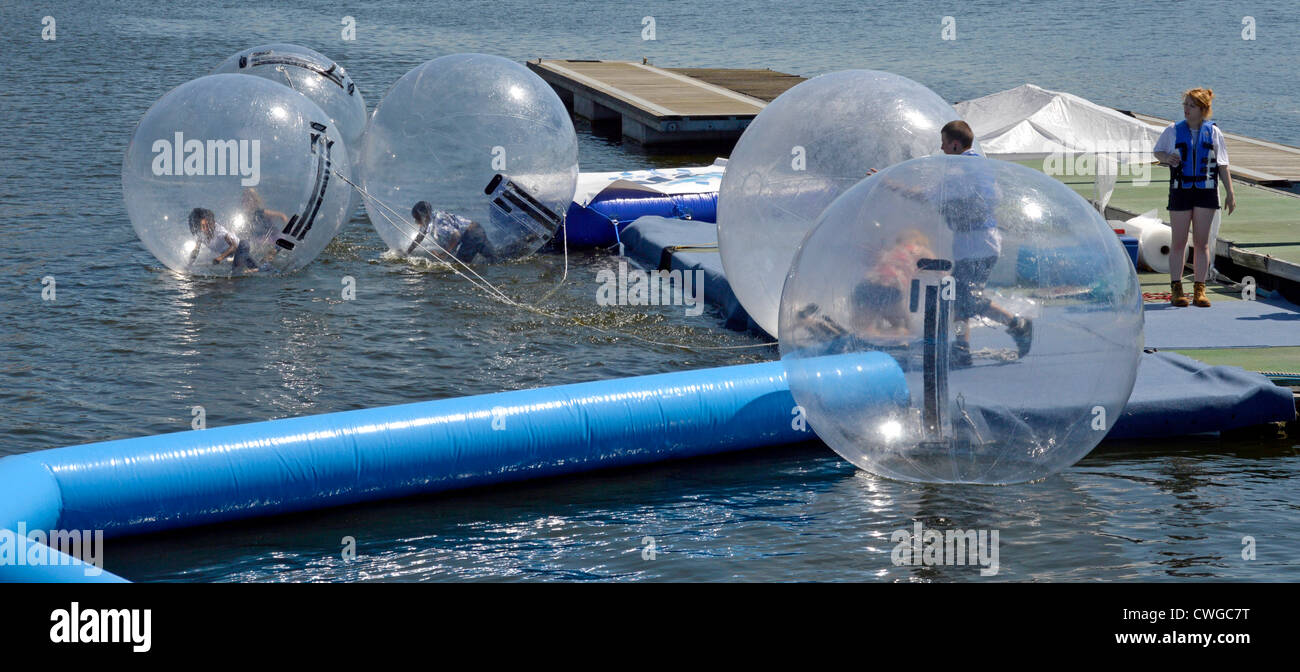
(795,513)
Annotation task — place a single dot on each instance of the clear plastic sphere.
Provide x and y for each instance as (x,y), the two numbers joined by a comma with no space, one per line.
(486,144)
(802,151)
(312,74)
(1006,299)
(228,175)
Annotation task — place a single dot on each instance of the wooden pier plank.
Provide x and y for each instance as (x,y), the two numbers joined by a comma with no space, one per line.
(764,85)
(654,91)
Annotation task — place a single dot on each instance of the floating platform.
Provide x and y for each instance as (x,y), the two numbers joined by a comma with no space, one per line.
(660,106)
(1194,382)
(664,244)
(681,105)
(1261,238)
(605,203)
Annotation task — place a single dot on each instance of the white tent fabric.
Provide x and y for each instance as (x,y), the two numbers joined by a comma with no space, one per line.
(1073,135)
(1030,122)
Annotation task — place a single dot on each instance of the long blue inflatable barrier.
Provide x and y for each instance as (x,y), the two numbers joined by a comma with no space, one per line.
(599,223)
(154,483)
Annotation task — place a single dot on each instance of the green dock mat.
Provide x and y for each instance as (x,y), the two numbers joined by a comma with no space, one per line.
(1281,365)
(1266,221)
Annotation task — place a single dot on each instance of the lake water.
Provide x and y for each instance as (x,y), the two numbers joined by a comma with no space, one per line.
(127,349)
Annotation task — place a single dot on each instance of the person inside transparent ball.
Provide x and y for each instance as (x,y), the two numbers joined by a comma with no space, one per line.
(447,236)
(966,201)
(264,224)
(1005,419)
(441,233)
(881,315)
(426,142)
(219,241)
(881,300)
(516,221)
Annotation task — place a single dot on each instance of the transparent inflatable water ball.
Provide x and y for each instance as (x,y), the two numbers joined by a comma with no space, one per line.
(315,76)
(229,175)
(312,74)
(470,155)
(1005,298)
(802,151)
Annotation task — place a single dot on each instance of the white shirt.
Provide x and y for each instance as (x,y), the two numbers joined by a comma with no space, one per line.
(976,244)
(1167,138)
(980,243)
(217,243)
(446,224)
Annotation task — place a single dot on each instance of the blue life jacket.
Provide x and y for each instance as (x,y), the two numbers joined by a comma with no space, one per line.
(1198,169)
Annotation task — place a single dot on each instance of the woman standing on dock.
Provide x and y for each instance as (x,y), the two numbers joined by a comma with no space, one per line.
(1197,159)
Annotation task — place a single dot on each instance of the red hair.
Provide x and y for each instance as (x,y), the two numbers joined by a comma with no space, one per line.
(1202,98)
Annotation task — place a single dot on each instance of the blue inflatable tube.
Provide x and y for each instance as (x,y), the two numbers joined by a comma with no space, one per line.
(155,483)
(53,567)
(30,500)
(601,221)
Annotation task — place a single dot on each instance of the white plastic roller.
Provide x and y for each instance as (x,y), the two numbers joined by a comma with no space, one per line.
(1155,240)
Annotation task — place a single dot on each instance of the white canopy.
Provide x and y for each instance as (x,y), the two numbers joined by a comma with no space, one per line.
(1029,122)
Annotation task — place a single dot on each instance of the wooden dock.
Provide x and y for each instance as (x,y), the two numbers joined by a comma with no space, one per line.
(658,106)
(764,85)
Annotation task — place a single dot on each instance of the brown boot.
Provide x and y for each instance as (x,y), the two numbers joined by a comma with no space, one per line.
(1178,298)
(1199,300)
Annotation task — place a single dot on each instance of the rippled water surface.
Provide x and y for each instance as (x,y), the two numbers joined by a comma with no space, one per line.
(127,349)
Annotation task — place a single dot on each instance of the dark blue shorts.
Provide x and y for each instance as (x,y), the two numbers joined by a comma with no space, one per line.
(870,298)
(971,275)
(473,241)
(1186,199)
(241,257)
